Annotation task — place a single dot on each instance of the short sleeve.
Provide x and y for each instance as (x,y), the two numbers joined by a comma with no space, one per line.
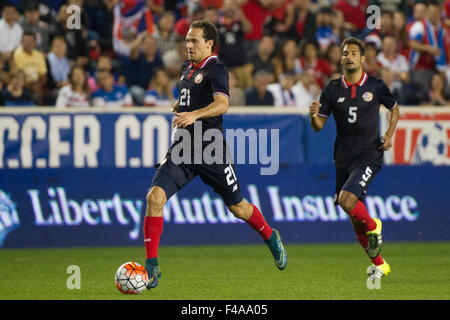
(416,31)
(218,77)
(325,101)
(385,96)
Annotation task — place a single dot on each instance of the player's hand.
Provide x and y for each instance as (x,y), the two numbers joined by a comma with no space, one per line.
(387,143)
(184,119)
(314,109)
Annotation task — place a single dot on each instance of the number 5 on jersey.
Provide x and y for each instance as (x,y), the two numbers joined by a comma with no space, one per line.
(352,114)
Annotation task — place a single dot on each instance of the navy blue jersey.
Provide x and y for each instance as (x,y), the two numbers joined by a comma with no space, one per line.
(355,108)
(198,86)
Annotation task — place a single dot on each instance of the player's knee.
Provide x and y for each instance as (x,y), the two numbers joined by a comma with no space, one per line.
(156,199)
(242,210)
(346,202)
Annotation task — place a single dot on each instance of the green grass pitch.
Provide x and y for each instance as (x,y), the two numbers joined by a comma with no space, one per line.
(240,272)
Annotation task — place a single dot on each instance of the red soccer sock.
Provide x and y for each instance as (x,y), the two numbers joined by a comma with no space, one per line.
(258,223)
(361,236)
(361,214)
(153,227)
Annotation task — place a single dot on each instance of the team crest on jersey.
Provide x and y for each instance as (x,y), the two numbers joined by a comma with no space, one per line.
(367,96)
(198,78)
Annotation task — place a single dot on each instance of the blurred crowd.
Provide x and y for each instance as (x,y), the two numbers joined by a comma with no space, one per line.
(280,53)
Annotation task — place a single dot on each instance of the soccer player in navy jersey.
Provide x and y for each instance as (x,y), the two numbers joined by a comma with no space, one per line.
(204,97)
(354,100)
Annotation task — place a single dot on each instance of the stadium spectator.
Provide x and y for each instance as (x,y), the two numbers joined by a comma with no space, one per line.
(160,92)
(10,31)
(307,90)
(390,58)
(286,59)
(232,26)
(354,14)
(32,62)
(109,94)
(262,59)
(396,87)
(334,34)
(400,33)
(392,5)
(174,59)
(210,14)
(427,53)
(324,33)
(333,56)
(165,33)
(31,22)
(371,65)
(131,19)
(437,95)
(291,93)
(144,59)
(256,11)
(217,4)
(311,63)
(280,21)
(194,13)
(76,92)
(304,20)
(237,95)
(419,12)
(104,63)
(15,94)
(258,95)
(58,63)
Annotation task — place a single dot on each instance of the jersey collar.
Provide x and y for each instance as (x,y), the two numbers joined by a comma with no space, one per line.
(202,63)
(360,83)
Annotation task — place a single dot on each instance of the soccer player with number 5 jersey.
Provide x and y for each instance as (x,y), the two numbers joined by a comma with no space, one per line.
(354,100)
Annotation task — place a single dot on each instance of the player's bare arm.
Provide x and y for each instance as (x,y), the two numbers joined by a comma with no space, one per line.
(176,106)
(317,122)
(393,119)
(216,108)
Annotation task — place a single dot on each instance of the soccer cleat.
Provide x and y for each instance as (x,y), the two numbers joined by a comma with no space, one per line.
(276,247)
(154,274)
(375,240)
(379,271)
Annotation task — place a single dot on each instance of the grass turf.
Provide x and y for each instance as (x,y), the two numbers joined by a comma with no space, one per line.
(244,272)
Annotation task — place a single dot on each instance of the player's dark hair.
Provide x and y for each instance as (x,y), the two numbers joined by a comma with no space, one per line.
(353,40)
(209,31)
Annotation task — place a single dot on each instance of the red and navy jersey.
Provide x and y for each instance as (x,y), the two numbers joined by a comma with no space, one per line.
(199,84)
(355,108)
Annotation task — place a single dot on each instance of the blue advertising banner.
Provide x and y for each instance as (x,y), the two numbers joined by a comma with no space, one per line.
(81,180)
(97,207)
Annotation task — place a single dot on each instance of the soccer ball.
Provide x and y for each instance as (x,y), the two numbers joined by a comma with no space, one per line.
(131,278)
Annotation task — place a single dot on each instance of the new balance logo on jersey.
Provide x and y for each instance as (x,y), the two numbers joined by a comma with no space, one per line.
(341,99)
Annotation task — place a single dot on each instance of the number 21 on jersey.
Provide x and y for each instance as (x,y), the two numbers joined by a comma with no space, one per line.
(185,97)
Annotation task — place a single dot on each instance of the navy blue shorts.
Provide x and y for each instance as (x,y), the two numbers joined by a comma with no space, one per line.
(356,178)
(222,178)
